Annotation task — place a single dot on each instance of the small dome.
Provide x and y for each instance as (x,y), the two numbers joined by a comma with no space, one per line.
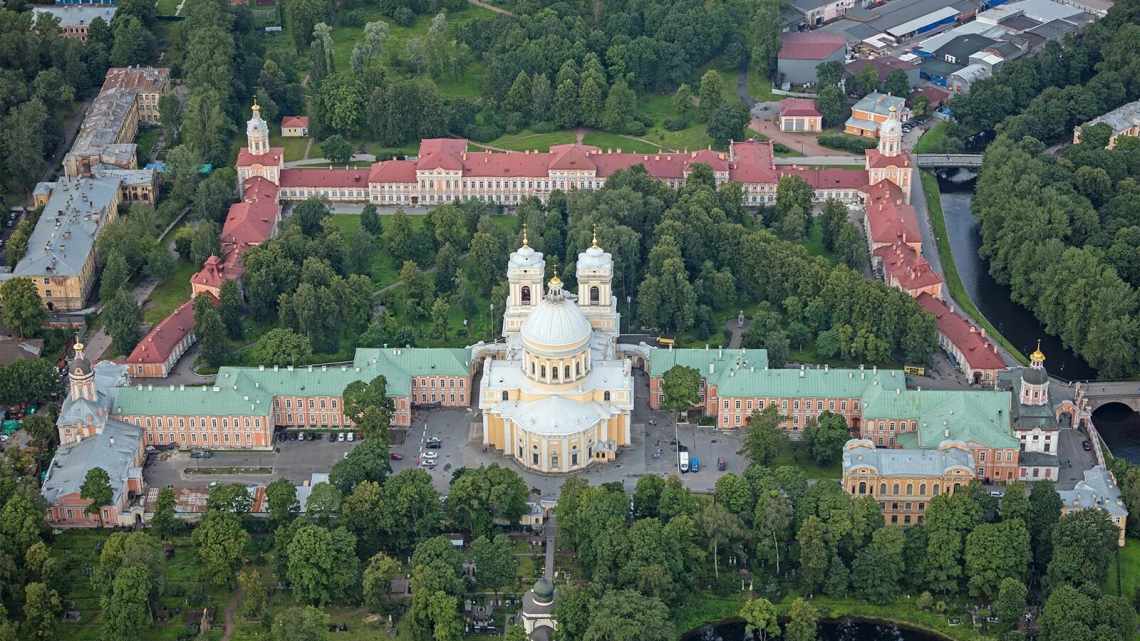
(543,589)
(1037,357)
(891,127)
(1034,375)
(557,327)
(525,256)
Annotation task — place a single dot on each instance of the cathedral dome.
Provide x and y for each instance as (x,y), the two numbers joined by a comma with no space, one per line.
(557,327)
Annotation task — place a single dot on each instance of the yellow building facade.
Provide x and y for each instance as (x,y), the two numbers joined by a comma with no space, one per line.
(904,481)
(554,395)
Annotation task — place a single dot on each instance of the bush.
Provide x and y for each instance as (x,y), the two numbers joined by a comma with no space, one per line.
(404,17)
(483,133)
(940,607)
(515,123)
(543,127)
(634,128)
(676,123)
(780,148)
(354,18)
(844,142)
(924,601)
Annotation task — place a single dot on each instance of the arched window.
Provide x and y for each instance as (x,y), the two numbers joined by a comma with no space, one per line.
(595,295)
(862,488)
(542,371)
(578,368)
(909,489)
(566,373)
(526,295)
(605,396)
(882,489)
(922,489)
(504,395)
(554,372)
(935,489)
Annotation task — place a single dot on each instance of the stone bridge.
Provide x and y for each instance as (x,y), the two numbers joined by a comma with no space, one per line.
(947,161)
(1099,394)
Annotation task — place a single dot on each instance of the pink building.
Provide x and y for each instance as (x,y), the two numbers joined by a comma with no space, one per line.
(799,115)
(906,269)
(158,352)
(967,344)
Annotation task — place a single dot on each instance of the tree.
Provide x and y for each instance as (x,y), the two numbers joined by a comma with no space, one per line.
(479,496)
(1044,513)
(337,149)
(682,103)
(127,612)
(1083,544)
(21,309)
(815,555)
(377,581)
(254,593)
(803,621)
(727,123)
(210,331)
(300,624)
(1015,503)
(229,309)
(720,527)
(367,461)
(765,29)
(761,619)
(712,95)
(164,521)
(322,564)
(832,105)
(42,610)
(439,316)
(626,615)
(621,107)
(878,568)
(896,83)
(825,438)
(121,319)
(134,45)
(309,215)
(763,438)
(281,347)
(667,299)
(96,488)
(115,275)
(370,220)
(541,97)
(1010,602)
(323,504)
(495,563)
(681,387)
(995,551)
(221,542)
(300,18)
(829,73)
(566,104)
(282,498)
(591,99)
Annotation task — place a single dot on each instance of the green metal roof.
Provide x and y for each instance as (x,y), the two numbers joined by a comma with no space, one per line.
(806,383)
(980,417)
(146,400)
(249,391)
(663,360)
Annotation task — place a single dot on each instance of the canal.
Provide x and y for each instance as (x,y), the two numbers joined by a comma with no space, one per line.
(1015,322)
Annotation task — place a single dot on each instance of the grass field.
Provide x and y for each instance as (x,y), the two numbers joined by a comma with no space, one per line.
(527,140)
(950,269)
(1125,580)
(605,141)
(169,294)
(294,147)
(933,139)
(760,87)
(167,7)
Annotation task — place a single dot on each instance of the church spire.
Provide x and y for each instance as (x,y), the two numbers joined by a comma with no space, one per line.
(1037,358)
(595,243)
(525,243)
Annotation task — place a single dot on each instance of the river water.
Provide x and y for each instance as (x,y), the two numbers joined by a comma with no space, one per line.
(842,630)
(1015,322)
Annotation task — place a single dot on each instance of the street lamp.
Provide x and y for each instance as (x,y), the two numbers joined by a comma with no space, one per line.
(492,321)
(629,313)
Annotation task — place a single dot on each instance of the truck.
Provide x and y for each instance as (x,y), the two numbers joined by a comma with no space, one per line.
(695,463)
(684,462)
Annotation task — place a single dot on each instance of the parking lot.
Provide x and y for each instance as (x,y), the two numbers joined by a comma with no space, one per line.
(459,435)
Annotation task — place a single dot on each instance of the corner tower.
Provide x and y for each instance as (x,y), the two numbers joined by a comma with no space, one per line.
(525,272)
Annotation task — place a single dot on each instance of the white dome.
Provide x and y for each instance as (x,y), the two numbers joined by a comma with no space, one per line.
(557,327)
(525,256)
(594,259)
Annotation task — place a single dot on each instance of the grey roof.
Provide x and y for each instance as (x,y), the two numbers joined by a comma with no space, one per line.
(907,462)
(1009,48)
(65,235)
(972,72)
(103,122)
(879,103)
(113,448)
(804,6)
(542,633)
(1019,22)
(108,377)
(1121,118)
(860,23)
(76,15)
(19,349)
(938,67)
(1096,490)
(1037,459)
(1054,29)
(962,46)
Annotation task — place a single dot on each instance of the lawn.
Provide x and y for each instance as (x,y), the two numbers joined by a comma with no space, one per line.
(294,147)
(933,140)
(608,141)
(384,269)
(170,293)
(950,269)
(1124,571)
(659,108)
(814,242)
(797,456)
(167,7)
(527,140)
(760,87)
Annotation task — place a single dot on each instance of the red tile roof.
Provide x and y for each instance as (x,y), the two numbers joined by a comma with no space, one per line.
(324,178)
(753,162)
(295,121)
(810,45)
(273,157)
(820,178)
(798,107)
(160,341)
(212,273)
(935,96)
(393,171)
(441,153)
(877,160)
(971,341)
(906,267)
(889,217)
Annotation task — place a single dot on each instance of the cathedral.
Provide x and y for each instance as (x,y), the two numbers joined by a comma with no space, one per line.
(558,397)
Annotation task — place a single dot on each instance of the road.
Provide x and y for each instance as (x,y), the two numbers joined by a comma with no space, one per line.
(551,529)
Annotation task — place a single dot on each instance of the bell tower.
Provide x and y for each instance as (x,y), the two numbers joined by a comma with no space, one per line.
(525,272)
(257,132)
(890,135)
(81,377)
(595,274)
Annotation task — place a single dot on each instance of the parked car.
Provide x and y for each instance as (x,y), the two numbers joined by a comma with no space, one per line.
(201,453)
(340,437)
(351,437)
(395,456)
(428,462)
(433,445)
(1087,445)
(721,464)
(429,455)
(332,437)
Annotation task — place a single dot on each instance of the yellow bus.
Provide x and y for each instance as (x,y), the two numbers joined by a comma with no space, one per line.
(665,342)
(914,370)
